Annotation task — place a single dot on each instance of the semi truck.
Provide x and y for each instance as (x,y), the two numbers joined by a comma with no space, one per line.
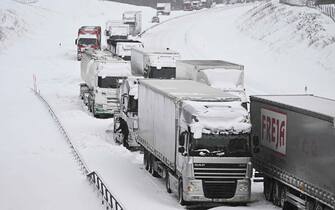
(128,97)
(187,5)
(116,29)
(154,63)
(196,4)
(226,76)
(197,138)
(102,74)
(163,8)
(134,20)
(293,147)
(122,47)
(89,37)
(161,64)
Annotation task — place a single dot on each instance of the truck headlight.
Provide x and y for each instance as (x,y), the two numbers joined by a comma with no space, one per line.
(243,186)
(192,187)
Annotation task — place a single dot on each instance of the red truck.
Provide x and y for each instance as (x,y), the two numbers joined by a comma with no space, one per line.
(88,37)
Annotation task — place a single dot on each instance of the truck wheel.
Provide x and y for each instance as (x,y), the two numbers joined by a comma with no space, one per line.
(145,160)
(318,206)
(309,204)
(289,206)
(180,193)
(282,195)
(167,182)
(151,168)
(276,200)
(267,185)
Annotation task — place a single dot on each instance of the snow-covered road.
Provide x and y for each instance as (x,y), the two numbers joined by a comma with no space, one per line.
(40,41)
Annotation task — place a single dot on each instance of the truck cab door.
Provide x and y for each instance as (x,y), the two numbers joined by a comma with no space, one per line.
(181,150)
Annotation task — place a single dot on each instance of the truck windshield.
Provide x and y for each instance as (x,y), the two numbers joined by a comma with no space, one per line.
(220,145)
(87,41)
(109,82)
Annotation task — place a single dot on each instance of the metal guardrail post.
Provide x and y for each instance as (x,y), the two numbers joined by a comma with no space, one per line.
(92,176)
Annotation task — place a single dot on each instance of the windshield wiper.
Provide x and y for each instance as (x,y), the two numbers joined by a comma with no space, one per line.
(219,152)
(202,152)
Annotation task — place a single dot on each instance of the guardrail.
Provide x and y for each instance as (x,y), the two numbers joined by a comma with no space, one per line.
(326,9)
(106,194)
(92,176)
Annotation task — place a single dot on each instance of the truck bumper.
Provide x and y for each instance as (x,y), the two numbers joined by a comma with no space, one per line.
(195,190)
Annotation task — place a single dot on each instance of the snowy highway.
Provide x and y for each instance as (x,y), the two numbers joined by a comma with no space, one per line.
(38,169)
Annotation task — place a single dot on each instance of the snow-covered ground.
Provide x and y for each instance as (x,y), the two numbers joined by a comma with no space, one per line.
(283,48)
(37,37)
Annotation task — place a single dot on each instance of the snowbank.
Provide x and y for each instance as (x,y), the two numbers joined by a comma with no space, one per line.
(289,25)
(11,25)
(285,28)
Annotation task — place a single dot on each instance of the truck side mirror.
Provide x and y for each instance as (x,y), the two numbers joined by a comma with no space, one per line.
(182,138)
(76,41)
(255,141)
(181,150)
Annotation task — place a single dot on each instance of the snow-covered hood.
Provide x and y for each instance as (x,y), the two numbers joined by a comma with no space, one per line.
(216,117)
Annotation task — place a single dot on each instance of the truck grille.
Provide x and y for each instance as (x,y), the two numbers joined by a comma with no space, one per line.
(219,190)
(219,180)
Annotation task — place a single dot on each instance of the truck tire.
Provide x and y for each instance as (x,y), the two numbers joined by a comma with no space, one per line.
(318,206)
(282,195)
(151,166)
(310,204)
(93,111)
(180,193)
(167,182)
(267,188)
(289,206)
(145,160)
(276,193)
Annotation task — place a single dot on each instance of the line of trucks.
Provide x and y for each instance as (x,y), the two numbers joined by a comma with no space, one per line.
(192,121)
(120,35)
(189,5)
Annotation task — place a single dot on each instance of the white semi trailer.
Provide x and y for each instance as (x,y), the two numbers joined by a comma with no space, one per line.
(116,29)
(154,63)
(134,20)
(223,75)
(197,138)
(102,74)
(163,8)
(122,47)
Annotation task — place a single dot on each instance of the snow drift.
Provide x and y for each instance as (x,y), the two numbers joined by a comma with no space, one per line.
(286,28)
(11,25)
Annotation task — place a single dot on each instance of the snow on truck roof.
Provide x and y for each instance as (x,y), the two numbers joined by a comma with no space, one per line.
(316,104)
(188,89)
(156,50)
(218,117)
(202,64)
